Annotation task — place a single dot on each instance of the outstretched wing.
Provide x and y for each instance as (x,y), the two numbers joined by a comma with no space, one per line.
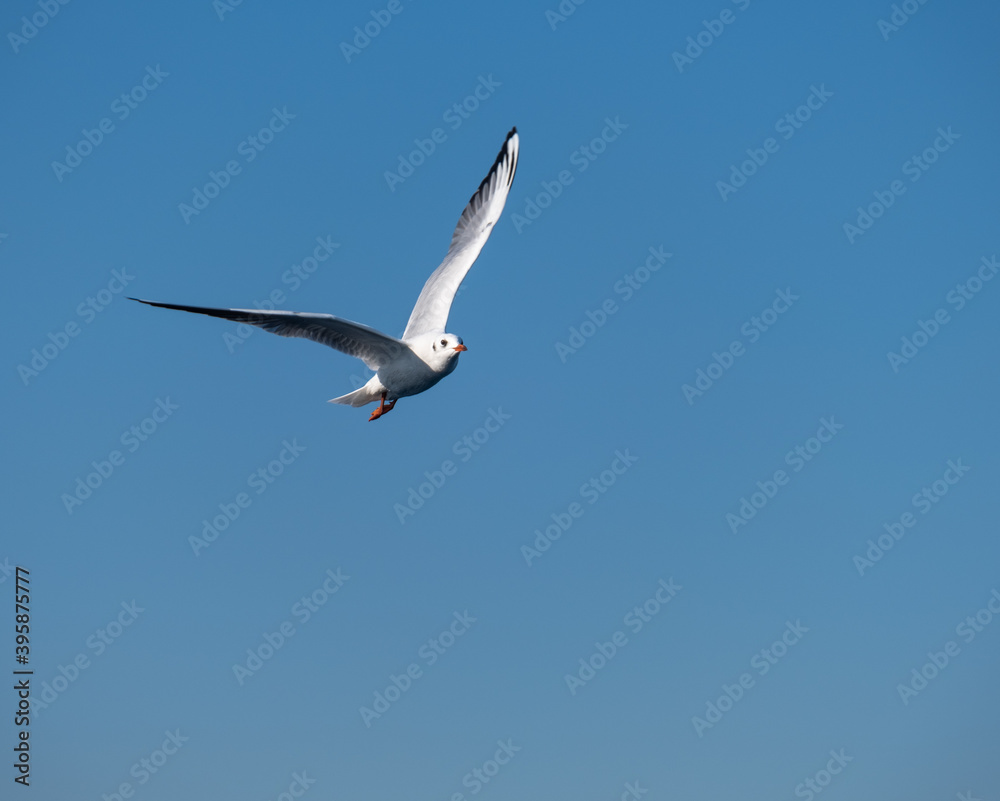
(373,347)
(471,233)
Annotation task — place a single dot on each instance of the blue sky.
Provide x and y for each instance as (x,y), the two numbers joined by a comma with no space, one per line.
(705,510)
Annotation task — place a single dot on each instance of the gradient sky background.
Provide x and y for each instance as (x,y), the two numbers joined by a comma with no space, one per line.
(655,185)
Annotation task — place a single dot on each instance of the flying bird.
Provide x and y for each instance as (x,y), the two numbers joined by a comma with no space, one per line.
(425,353)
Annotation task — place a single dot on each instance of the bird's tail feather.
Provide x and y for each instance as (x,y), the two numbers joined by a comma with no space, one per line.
(357,398)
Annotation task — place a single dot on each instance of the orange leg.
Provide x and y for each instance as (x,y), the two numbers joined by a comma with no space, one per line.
(382,408)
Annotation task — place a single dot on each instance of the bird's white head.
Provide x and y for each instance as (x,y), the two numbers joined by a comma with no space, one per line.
(439,351)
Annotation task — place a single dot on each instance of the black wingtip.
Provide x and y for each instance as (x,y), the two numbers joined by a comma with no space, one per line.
(496,164)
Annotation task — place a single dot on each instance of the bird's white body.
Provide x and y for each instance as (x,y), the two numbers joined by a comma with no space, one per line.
(408,374)
(426,353)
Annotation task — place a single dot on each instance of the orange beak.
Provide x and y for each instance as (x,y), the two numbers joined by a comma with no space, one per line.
(460,348)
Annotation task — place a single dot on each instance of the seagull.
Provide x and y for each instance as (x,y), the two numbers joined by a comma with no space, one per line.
(425,353)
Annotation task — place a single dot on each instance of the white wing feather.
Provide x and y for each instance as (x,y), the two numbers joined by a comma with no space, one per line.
(373,347)
(474,226)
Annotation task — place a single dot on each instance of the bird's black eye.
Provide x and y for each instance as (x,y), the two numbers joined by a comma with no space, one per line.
(444,341)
